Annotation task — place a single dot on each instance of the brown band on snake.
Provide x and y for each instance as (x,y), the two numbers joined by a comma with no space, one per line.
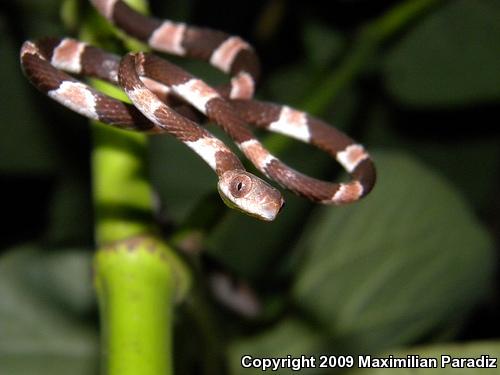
(228,53)
(74,94)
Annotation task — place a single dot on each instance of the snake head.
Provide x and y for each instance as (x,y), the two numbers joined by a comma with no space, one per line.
(249,194)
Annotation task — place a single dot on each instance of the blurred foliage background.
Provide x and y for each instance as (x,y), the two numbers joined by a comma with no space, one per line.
(411,269)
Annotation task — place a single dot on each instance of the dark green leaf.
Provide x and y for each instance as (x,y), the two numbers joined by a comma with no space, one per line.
(457,157)
(64,276)
(39,334)
(288,84)
(390,269)
(322,44)
(450,58)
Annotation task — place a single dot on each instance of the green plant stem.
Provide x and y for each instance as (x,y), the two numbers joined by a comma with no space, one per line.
(137,276)
(122,193)
(134,283)
(364,46)
(137,282)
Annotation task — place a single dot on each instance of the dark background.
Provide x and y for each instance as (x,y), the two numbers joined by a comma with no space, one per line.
(425,101)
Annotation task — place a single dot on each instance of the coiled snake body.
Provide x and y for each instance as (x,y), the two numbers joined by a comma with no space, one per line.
(149,81)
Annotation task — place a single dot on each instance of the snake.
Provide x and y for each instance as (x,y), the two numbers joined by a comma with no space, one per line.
(150,82)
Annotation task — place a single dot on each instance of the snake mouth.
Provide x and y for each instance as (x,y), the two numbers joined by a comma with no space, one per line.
(271,208)
(269,214)
(282,205)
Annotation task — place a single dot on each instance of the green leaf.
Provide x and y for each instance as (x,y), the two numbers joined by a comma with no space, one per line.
(288,337)
(63,276)
(322,44)
(390,269)
(478,185)
(469,350)
(288,84)
(450,58)
(39,332)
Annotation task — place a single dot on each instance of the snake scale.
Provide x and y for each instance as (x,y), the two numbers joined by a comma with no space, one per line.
(149,81)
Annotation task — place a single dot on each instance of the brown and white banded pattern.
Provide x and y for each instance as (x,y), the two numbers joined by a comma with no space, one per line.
(228,53)
(301,126)
(234,115)
(151,82)
(238,188)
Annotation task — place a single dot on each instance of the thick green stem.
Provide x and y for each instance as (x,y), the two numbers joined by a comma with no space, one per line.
(121,187)
(137,276)
(134,283)
(122,193)
(137,282)
(135,273)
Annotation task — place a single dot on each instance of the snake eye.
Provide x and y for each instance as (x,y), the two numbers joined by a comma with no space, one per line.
(240,186)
